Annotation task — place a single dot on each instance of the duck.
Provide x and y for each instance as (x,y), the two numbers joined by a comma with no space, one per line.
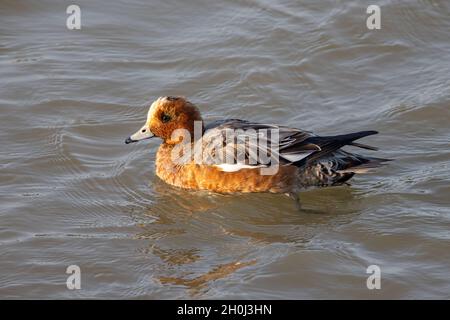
(241,156)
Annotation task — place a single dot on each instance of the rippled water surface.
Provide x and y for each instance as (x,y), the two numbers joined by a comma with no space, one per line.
(72,193)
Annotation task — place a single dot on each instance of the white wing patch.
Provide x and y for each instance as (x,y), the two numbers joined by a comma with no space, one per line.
(295,157)
(235,167)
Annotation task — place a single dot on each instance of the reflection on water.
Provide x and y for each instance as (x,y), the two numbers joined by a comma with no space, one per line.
(198,283)
(233,226)
(73,193)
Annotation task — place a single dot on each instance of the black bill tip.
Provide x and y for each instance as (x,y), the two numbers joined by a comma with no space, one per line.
(129,140)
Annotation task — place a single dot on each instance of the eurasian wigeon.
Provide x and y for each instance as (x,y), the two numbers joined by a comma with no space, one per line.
(298,159)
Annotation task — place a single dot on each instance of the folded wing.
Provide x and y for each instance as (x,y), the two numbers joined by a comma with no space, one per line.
(234,144)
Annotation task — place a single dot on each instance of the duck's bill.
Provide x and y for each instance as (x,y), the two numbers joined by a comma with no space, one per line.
(142,134)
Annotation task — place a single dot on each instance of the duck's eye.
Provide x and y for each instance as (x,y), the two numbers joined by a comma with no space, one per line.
(165,118)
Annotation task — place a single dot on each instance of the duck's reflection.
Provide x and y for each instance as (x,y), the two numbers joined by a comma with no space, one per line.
(174,257)
(200,283)
(198,238)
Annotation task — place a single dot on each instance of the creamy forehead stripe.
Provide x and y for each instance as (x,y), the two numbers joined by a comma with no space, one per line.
(153,108)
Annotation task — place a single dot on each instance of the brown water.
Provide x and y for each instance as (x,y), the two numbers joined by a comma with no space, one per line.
(73,193)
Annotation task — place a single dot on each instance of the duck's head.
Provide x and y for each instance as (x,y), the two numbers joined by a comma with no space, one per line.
(166,115)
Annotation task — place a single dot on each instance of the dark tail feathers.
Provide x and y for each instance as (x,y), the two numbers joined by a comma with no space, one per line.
(329,144)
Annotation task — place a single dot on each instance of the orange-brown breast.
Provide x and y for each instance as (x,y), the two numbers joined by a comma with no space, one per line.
(205,177)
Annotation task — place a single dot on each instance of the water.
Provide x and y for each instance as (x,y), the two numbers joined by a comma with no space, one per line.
(73,193)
